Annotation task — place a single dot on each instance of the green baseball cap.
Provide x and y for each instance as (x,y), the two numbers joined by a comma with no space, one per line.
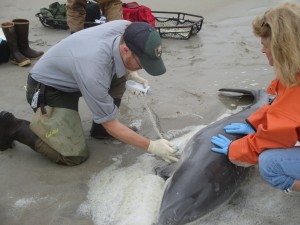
(144,41)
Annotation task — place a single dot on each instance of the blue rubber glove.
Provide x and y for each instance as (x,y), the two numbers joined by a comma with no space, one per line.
(239,128)
(222,142)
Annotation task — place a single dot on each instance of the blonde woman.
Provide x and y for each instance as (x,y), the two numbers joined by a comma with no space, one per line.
(273,130)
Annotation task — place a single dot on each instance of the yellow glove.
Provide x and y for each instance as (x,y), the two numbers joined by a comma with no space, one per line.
(134,76)
(163,149)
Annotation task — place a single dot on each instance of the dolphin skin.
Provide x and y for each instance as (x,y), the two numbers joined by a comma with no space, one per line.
(203,179)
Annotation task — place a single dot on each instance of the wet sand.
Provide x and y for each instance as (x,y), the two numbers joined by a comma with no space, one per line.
(224,53)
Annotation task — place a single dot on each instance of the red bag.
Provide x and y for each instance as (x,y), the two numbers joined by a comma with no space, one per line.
(134,12)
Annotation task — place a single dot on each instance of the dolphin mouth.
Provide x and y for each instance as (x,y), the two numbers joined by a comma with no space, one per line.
(177,218)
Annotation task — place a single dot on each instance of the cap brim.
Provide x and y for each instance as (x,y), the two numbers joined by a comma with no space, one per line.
(154,67)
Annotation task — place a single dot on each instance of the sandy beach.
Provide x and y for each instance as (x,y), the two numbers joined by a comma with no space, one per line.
(117,185)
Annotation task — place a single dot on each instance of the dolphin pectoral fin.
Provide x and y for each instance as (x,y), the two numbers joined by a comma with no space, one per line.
(227,91)
(232,98)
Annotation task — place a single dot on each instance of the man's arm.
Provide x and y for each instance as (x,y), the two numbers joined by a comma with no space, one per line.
(161,147)
(125,134)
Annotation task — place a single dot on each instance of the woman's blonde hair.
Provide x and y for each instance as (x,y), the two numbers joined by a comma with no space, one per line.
(281,26)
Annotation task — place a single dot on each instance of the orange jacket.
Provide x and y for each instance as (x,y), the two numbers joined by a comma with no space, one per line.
(277,125)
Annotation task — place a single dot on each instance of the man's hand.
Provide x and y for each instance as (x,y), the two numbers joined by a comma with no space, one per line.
(239,128)
(222,142)
(134,76)
(163,149)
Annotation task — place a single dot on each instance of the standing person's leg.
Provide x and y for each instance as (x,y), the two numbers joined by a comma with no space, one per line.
(117,89)
(76,12)
(111,9)
(281,168)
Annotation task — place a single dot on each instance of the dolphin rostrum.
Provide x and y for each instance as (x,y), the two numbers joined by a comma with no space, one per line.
(203,179)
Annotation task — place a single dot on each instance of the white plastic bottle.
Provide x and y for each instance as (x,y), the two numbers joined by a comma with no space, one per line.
(135,86)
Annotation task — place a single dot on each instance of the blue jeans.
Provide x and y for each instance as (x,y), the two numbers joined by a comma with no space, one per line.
(280,167)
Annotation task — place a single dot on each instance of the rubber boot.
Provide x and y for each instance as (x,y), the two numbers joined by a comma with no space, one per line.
(22,29)
(98,131)
(12,129)
(16,57)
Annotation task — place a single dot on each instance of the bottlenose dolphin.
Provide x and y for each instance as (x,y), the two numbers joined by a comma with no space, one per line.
(203,179)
